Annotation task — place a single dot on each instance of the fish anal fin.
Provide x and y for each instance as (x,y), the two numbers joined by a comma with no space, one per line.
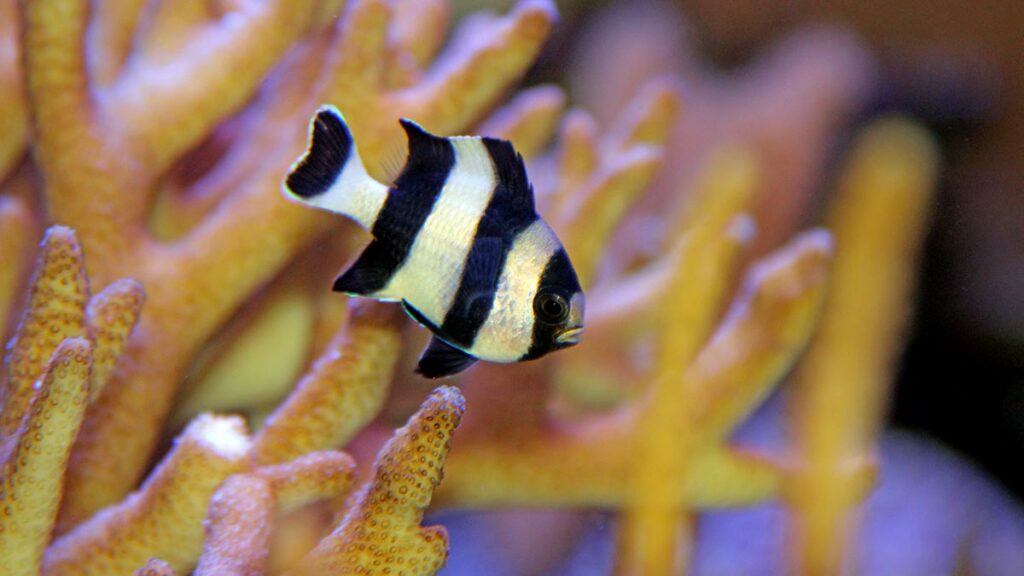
(441,359)
(370,273)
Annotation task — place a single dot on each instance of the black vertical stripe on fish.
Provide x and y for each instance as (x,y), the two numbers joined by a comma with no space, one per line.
(370,272)
(329,149)
(509,212)
(407,207)
(557,272)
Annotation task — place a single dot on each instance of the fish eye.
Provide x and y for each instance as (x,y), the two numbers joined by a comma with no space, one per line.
(551,307)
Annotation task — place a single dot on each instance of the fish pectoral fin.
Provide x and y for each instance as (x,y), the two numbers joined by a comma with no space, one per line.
(418,316)
(370,273)
(441,359)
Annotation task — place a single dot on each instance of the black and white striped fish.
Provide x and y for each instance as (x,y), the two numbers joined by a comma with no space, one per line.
(456,239)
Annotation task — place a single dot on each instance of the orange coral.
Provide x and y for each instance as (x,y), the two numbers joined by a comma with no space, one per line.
(314,476)
(56,310)
(381,534)
(238,528)
(132,118)
(164,518)
(161,135)
(342,392)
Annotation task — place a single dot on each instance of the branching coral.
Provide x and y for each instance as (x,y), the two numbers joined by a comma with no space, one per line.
(381,534)
(161,131)
(341,393)
(102,145)
(214,471)
(35,456)
(59,359)
(164,517)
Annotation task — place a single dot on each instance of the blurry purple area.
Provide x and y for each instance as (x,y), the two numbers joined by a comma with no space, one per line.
(931,513)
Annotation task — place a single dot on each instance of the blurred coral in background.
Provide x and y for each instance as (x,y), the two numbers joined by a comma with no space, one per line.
(747,200)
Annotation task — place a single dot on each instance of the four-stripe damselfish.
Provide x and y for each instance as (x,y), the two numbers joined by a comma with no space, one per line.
(456,239)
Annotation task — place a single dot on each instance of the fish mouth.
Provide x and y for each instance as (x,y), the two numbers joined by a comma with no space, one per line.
(569,336)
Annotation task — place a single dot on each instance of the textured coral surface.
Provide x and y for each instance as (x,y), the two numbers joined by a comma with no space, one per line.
(181,392)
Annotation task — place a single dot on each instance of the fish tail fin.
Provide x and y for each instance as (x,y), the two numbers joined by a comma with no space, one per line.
(331,175)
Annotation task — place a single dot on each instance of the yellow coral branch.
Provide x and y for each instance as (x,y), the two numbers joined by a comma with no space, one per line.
(74,149)
(651,525)
(879,216)
(309,478)
(467,84)
(211,76)
(32,474)
(232,373)
(593,212)
(588,205)
(56,310)
(419,28)
(627,308)
(343,391)
(762,333)
(528,120)
(238,528)
(649,116)
(577,155)
(355,73)
(111,316)
(170,25)
(381,533)
(164,518)
(244,509)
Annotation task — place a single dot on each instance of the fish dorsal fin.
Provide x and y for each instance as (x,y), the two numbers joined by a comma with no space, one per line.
(511,173)
(430,157)
(370,273)
(441,359)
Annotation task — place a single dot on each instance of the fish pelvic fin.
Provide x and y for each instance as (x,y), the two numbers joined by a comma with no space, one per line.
(330,174)
(441,359)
